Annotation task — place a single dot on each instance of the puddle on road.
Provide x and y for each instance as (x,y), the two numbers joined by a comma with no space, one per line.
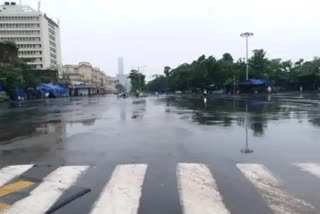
(67,118)
(24,126)
(229,111)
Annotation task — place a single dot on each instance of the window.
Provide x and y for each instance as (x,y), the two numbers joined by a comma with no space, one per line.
(53,50)
(52,37)
(53,55)
(52,43)
(53,61)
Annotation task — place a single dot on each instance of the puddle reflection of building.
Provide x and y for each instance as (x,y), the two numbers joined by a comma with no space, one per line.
(56,127)
(123,110)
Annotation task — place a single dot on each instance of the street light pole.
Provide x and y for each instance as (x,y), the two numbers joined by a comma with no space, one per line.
(247,35)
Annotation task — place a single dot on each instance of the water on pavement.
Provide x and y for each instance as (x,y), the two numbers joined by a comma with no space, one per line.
(163,131)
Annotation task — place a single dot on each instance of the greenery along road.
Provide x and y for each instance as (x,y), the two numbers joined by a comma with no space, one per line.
(17,75)
(206,71)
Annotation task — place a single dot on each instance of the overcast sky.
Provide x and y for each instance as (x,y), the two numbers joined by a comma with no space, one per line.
(157,33)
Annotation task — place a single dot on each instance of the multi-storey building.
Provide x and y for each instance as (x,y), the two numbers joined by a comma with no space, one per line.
(85,74)
(35,34)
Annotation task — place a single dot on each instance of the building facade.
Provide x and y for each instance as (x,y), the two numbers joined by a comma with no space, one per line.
(35,34)
(87,77)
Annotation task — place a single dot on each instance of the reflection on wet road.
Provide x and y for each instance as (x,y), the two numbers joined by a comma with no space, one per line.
(176,136)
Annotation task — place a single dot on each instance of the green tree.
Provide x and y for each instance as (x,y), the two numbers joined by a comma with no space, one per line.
(258,64)
(227,57)
(166,71)
(120,88)
(11,79)
(137,80)
(159,84)
(18,75)
(206,71)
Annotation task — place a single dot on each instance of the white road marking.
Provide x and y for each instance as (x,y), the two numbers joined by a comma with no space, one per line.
(198,190)
(46,194)
(279,201)
(312,168)
(10,172)
(122,193)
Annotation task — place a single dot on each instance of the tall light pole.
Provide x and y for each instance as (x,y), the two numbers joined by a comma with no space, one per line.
(247,35)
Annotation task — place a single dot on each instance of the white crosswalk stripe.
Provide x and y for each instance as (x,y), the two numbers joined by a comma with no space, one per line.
(312,168)
(279,201)
(198,190)
(10,172)
(122,193)
(47,193)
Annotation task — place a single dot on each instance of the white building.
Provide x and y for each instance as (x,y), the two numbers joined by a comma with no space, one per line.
(36,35)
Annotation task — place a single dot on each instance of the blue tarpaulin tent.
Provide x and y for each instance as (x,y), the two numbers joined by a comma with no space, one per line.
(53,90)
(254,82)
(20,93)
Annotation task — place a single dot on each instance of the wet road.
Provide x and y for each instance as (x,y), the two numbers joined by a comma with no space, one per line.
(180,154)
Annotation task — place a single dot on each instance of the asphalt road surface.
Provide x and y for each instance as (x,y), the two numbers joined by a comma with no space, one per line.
(161,155)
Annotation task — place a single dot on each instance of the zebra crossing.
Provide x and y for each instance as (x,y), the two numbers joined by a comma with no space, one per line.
(196,186)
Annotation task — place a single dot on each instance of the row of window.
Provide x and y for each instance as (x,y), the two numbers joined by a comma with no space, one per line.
(51,26)
(19,25)
(53,50)
(20,32)
(35,59)
(52,31)
(52,37)
(36,66)
(21,39)
(53,55)
(27,53)
(24,46)
(19,18)
(54,62)
(52,43)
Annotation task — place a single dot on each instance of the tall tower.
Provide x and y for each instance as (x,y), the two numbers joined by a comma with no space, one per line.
(121,77)
(120,66)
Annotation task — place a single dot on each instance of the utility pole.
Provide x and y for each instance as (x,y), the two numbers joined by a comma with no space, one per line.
(247,35)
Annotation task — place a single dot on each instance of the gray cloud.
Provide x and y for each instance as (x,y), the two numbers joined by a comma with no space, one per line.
(171,32)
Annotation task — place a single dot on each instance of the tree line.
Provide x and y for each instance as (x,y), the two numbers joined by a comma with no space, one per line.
(137,80)
(18,75)
(206,71)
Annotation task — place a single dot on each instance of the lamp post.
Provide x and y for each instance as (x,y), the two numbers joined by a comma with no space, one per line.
(247,35)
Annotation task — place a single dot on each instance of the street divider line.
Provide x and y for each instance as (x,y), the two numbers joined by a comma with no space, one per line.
(10,172)
(311,168)
(48,192)
(271,191)
(198,190)
(15,187)
(3,207)
(122,193)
